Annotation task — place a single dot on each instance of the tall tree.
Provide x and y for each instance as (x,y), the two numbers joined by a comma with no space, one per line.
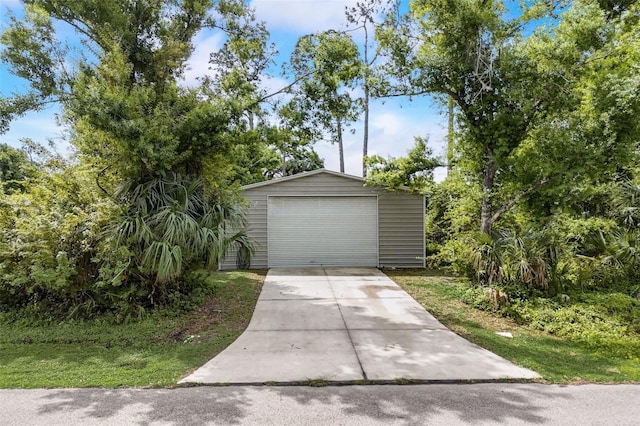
(514,90)
(159,148)
(326,65)
(242,63)
(362,16)
(127,82)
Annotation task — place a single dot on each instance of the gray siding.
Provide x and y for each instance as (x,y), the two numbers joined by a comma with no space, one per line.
(400,230)
(400,216)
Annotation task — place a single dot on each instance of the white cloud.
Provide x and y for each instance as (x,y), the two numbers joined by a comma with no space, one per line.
(198,64)
(388,123)
(41,127)
(273,84)
(303,16)
(391,133)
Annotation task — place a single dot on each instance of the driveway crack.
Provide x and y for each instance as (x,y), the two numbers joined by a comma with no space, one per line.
(364,374)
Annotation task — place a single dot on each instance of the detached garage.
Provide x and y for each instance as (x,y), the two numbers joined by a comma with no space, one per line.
(324,219)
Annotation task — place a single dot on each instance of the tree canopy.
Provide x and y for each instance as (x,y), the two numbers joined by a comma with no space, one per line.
(157,151)
(515,90)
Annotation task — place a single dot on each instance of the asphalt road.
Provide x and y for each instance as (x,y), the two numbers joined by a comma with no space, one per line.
(432,404)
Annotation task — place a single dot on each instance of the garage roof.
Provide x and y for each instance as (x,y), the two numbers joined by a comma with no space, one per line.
(306,174)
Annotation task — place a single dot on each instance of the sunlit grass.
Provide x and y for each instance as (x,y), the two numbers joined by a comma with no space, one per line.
(156,351)
(558,360)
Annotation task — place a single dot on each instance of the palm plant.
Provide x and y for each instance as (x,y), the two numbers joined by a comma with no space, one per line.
(486,259)
(620,250)
(626,204)
(171,222)
(523,258)
(511,257)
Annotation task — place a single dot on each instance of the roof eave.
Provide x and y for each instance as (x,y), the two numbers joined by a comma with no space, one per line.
(300,175)
(309,173)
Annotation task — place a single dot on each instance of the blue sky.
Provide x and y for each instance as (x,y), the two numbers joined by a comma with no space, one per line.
(393,123)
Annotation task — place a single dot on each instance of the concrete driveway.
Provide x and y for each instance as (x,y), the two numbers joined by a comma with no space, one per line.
(346,325)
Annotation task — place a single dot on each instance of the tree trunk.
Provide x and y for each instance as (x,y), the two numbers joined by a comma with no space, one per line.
(450,136)
(252,125)
(284,163)
(340,147)
(488,176)
(365,137)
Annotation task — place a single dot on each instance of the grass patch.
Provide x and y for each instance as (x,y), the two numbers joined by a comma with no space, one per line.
(155,351)
(557,359)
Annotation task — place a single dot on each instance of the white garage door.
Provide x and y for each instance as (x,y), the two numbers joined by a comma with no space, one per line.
(322,231)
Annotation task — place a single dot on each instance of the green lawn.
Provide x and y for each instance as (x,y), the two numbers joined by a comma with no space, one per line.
(163,347)
(156,351)
(557,360)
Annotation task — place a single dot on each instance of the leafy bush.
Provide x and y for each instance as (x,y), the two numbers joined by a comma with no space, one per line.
(590,323)
(67,249)
(507,257)
(50,240)
(603,321)
(452,213)
(478,297)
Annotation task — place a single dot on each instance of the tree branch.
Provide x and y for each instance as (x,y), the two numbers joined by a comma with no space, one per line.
(509,204)
(285,88)
(98,181)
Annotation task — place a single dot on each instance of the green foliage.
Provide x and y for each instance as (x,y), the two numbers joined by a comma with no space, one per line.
(626,204)
(293,145)
(544,151)
(171,223)
(415,171)
(142,131)
(606,322)
(452,207)
(244,58)
(51,236)
(324,65)
(15,168)
(265,153)
(69,250)
(149,199)
(538,113)
(545,141)
(507,257)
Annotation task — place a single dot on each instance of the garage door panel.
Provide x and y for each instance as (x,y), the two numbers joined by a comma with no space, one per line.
(327,231)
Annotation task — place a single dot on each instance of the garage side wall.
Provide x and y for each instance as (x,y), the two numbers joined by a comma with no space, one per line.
(400,217)
(400,230)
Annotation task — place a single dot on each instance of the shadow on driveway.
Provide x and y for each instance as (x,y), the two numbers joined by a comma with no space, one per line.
(347,325)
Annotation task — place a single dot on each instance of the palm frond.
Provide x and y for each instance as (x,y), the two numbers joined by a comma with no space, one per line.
(170,220)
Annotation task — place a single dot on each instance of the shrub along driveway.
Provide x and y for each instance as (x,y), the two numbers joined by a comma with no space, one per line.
(346,325)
